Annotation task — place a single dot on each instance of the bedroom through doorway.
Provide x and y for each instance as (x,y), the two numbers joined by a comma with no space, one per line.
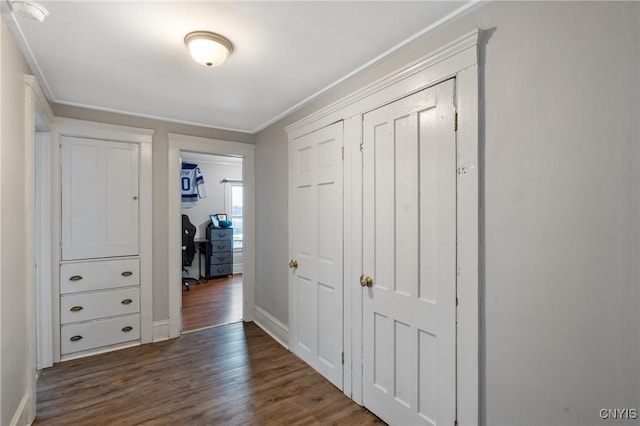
(212,264)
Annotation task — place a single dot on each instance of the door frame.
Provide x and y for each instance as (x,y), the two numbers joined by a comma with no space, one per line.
(179,143)
(38,272)
(457,59)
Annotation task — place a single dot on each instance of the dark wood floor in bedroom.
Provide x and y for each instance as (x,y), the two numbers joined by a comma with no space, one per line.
(230,375)
(214,302)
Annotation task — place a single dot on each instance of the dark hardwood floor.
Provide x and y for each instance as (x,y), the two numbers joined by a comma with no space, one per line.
(230,375)
(210,303)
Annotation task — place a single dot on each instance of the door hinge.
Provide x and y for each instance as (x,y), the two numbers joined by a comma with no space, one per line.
(361,146)
(455,422)
(343,152)
(342,358)
(456,300)
(455,122)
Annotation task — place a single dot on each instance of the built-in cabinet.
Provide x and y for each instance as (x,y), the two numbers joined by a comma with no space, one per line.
(99,198)
(99,303)
(100,270)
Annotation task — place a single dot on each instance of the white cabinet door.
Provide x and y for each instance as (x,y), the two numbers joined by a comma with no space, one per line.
(99,198)
(409,322)
(315,284)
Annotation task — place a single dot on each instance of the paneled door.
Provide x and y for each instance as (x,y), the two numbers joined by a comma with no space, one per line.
(315,279)
(99,198)
(409,243)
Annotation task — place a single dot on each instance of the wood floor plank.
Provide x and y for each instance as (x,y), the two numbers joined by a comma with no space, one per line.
(230,375)
(210,303)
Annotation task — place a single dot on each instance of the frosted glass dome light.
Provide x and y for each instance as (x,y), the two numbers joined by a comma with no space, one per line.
(208,49)
(29,9)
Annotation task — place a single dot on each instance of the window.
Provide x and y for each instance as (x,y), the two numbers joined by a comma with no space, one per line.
(236,214)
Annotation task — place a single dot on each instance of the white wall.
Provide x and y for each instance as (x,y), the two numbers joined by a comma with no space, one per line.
(214,169)
(13,321)
(560,208)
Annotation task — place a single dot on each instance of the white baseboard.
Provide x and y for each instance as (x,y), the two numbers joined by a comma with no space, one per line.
(272,326)
(21,416)
(160,330)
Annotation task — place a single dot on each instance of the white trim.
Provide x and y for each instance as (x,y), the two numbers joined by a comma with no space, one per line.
(102,131)
(458,59)
(438,65)
(44,240)
(145,228)
(153,117)
(40,100)
(371,63)
(38,117)
(179,143)
(25,48)
(467,210)
(353,257)
(160,330)
(100,350)
(272,326)
(21,416)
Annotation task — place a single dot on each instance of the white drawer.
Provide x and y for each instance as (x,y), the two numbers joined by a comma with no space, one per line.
(99,275)
(101,304)
(93,334)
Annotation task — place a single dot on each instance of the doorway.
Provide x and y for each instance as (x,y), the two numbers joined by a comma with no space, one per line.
(178,143)
(212,264)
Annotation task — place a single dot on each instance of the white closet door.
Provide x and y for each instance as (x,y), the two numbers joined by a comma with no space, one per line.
(99,198)
(315,280)
(409,323)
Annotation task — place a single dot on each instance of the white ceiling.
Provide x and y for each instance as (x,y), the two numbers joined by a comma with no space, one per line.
(130,57)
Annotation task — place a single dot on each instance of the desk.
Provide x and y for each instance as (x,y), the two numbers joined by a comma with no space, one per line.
(201,245)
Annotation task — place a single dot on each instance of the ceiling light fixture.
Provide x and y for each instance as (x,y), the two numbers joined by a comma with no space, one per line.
(29,9)
(207,48)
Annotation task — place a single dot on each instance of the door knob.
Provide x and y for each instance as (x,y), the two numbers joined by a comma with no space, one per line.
(366,281)
(293,264)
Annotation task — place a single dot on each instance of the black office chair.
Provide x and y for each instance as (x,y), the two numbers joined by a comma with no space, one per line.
(188,249)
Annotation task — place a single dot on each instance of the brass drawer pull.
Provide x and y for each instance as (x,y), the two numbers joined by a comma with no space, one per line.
(127,329)
(75,278)
(75,338)
(126,273)
(126,301)
(76,309)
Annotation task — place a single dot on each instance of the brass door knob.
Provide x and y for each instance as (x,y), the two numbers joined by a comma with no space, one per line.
(366,281)
(293,264)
